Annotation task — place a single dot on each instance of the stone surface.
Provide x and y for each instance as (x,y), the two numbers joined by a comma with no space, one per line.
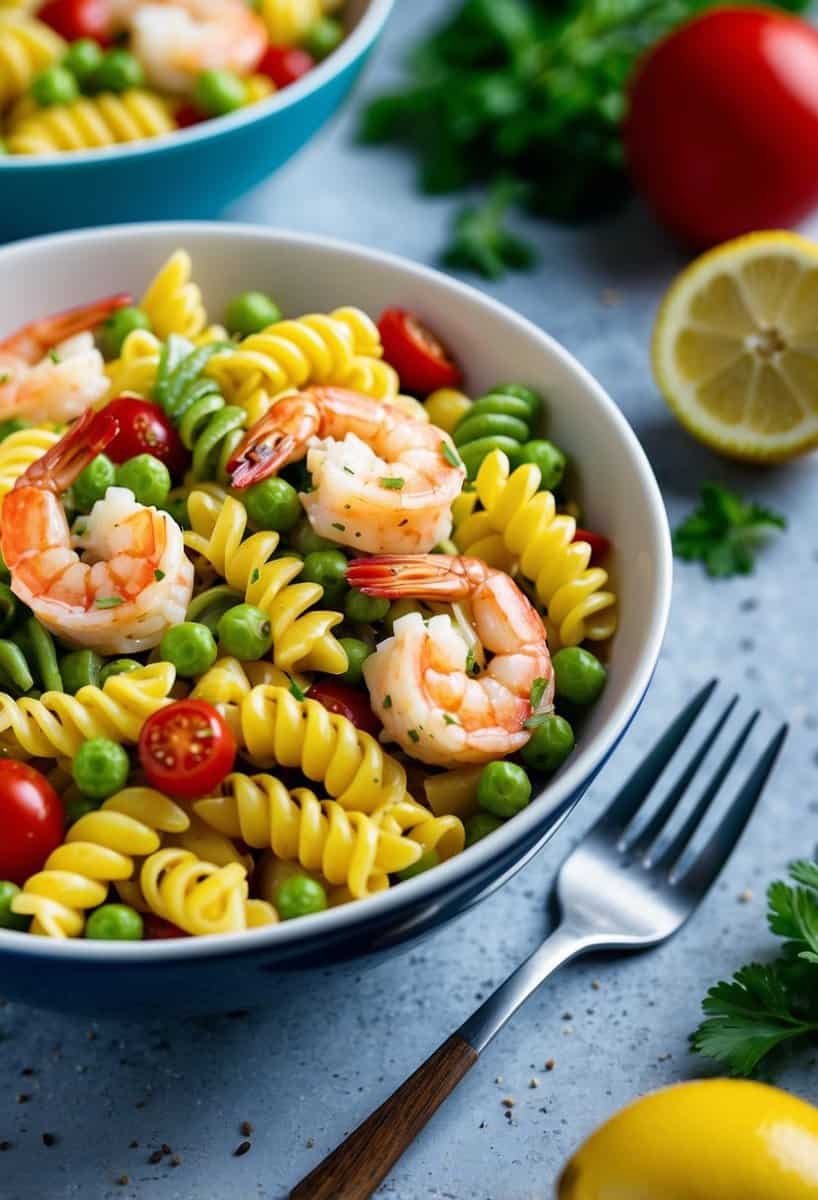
(305,1071)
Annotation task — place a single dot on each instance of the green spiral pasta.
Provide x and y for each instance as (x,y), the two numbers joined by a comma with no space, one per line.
(504,419)
(28,659)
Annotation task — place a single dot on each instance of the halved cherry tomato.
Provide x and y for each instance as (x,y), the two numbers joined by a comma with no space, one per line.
(75,19)
(285,64)
(188,114)
(144,429)
(600,545)
(423,363)
(186,749)
(347,702)
(155,929)
(31,820)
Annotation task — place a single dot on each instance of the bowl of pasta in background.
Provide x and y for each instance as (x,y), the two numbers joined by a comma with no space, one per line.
(191,172)
(310,274)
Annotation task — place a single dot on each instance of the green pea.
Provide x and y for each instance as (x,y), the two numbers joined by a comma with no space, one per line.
(324,36)
(549,745)
(428,859)
(329,568)
(9,919)
(177,507)
(12,425)
(503,789)
(245,633)
(250,312)
(82,59)
(100,768)
(10,608)
(191,648)
(54,85)
(304,540)
(273,504)
(219,92)
(549,458)
(364,609)
(79,806)
(480,825)
(579,676)
(147,477)
(3,148)
(299,896)
(117,327)
(92,483)
(118,666)
(357,653)
(115,923)
(80,668)
(118,71)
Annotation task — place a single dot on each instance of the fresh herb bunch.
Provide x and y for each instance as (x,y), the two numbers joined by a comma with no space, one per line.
(764,1007)
(724,532)
(532,90)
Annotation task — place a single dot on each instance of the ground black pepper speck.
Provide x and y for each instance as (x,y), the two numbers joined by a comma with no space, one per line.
(242,1148)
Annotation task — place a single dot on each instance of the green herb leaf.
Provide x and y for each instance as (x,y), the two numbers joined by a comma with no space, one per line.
(414,735)
(724,532)
(472,665)
(537,692)
(54,356)
(158,575)
(480,241)
(450,454)
(395,483)
(108,602)
(296,691)
(387,701)
(255,575)
(450,720)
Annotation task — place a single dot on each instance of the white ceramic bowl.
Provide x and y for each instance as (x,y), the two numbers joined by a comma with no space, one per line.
(619,495)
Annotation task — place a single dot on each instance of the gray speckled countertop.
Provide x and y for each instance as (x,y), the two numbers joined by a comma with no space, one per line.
(307,1069)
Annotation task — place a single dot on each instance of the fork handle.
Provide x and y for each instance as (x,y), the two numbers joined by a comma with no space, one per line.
(354,1170)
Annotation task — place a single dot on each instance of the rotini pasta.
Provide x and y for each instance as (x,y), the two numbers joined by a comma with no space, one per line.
(91,122)
(27,46)
(200,897)
(19,450)
(517,523)
(173,302)
(288,21)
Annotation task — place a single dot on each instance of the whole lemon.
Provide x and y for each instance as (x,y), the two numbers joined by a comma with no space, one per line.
(715,1139)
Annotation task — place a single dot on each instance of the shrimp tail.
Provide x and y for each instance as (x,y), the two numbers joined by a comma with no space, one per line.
(421,576)
(60,466)
(33,340)
(263,452)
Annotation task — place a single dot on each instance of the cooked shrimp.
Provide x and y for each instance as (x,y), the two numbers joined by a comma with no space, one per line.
(382,482)
(50,369)
(432,700)
(134,580)
(175,40)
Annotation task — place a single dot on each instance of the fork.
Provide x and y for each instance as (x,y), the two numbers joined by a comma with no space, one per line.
(628,885)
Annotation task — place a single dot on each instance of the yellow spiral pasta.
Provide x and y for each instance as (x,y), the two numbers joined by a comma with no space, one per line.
(19,450)
(99,849)
(373,377)
(201,897)
(302,639)
(257,88)
(27,46)
(444,834)
(517,527)
(279,730)
(56,725)
(135,369)
(89,123)
(288,21)
(173,302)
(346,847)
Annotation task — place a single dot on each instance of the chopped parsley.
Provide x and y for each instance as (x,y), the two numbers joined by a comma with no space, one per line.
(414,735)
(472,666)
(296,691)
(54,356)
(393,482)
(387,701)
(451,456)
(450,720)
(724,532)
(535,721)
(80,528)
(537,692)
(5,377)
(349,470)
(255,575)
(158,575)
(108,602)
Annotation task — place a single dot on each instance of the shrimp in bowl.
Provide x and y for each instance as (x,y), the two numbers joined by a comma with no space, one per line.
(120,580)
(381,481)
(425,683)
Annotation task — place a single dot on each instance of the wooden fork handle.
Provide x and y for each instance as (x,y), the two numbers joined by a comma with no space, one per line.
(354,1170)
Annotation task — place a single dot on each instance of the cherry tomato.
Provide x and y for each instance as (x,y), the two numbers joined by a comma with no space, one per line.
(186,749)
(188,114)
(285,64)
(155,929)
(75,19)
(722,133)
(347,702)
(144,429)
(422,362)
(600,545)
(31,820)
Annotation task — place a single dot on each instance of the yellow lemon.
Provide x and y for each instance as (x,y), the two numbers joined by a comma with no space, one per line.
(716,1139)
(735,347)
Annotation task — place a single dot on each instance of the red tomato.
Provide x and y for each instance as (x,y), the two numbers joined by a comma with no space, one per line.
(600,545)
(31,820)
(155,929)
(78,19)
(722,133)
(422,362)
(144,429)
(186,749)
(188,114)
(347,702)
(285,64)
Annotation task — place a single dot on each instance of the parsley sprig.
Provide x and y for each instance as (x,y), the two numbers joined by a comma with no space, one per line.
(765,1006)
(725,532)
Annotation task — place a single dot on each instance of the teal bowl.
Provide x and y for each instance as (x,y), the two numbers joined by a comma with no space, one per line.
(194,172)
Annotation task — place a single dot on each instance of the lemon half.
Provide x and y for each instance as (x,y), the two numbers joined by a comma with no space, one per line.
(735,347)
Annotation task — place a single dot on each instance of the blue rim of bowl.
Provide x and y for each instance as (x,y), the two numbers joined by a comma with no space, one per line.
(358,42)
(425,887)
